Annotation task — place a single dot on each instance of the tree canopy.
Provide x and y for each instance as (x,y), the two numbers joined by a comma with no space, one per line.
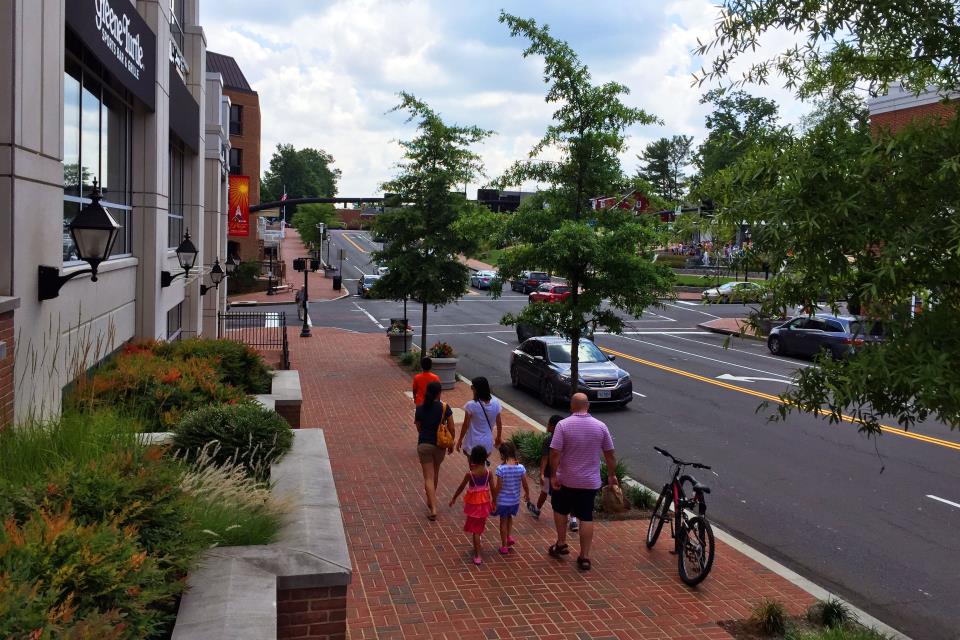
(426,226)
(305,172)
(306,219)
(604,255)
(665,163)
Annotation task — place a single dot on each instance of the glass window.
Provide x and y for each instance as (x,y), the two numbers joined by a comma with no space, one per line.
(176,199)
(834,327)
(96,135)
(177,21)
(236,120)
(175,322)
(236,161)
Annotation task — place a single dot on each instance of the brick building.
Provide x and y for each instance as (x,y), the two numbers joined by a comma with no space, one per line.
(898,107)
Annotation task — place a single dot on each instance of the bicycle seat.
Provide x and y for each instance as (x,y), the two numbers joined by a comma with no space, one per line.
(700,488)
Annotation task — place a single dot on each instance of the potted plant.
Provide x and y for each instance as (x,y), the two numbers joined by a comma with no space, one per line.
(444,364)
(400,336)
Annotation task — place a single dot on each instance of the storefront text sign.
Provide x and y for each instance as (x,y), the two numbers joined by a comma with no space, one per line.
(239,213)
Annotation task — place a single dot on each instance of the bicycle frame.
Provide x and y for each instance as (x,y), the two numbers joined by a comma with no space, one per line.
(681,503)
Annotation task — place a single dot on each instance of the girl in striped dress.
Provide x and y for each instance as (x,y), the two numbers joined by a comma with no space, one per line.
(478,502)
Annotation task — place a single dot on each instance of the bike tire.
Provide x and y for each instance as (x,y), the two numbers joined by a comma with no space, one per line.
(660,513)
(702,546)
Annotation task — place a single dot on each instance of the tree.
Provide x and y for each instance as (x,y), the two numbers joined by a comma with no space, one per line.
(863,217)
(303,173)
(604,255)
(664,166)
(306,219)
(426,226)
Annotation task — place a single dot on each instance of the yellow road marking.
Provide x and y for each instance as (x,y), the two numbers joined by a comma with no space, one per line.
(359,248)
(766,396)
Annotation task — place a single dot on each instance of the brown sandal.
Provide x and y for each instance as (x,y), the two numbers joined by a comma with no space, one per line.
(556,550)
(583,564)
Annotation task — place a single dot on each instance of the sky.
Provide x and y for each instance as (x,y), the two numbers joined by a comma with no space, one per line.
(328,71)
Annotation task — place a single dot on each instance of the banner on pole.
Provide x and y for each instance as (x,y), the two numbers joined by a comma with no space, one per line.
(239,203)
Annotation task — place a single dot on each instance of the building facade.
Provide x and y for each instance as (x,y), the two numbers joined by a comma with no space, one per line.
(899,107)
(113,92)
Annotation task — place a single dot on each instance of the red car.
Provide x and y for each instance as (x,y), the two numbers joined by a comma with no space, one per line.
(550,292)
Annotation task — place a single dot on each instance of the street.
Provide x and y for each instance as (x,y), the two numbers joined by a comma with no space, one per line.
(872,519)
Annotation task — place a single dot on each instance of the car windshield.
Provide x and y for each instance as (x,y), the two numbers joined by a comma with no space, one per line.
(370,279)
(864,328)
(485,274)
(561,289)
(588,352)
(727,287)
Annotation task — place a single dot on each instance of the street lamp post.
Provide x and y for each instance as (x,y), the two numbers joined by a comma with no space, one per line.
(270,290)
(306,265)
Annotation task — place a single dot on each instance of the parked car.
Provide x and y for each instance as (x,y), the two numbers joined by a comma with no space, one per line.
(550,292)
(735,292)
(483,279)
(527,331)
(529,281)
(543,364)
(840,336)
(365,285)
(382,271)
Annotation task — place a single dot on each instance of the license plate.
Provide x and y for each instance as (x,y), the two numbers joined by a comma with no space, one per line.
(603,394)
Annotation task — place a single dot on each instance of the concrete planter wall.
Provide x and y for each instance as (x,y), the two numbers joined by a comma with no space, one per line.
(294,587)
(446,370)
(400,342)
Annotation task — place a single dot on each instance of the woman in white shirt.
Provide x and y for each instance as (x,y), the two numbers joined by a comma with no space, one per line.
(481,416)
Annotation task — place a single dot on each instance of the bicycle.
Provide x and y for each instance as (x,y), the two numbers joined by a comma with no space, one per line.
(693,535)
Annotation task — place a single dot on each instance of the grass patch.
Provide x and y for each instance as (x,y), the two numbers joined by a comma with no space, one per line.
(770,617)
(640,497)
(691,280)
(490,256)
(849,632)
(529,446)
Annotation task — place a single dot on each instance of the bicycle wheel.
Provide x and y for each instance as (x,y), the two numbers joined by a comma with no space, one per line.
(660,513)
(696,549)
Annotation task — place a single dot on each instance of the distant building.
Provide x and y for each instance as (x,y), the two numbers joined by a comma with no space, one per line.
(244,155)
(899,107)
(502,200)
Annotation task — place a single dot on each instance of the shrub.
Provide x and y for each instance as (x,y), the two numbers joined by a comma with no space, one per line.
(620,470)
(849,632)
(239,365)
(408,358)
(830,613)
(770,617)
(245,278)
(639,497)
(529,445)
(156,390)
(245,434)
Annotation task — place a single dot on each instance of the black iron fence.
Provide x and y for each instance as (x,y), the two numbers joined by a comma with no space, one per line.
(264,331)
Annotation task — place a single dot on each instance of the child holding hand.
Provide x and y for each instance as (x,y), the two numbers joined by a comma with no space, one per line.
(477,503)
(511,476)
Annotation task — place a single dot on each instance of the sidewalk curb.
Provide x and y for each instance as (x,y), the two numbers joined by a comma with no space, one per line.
(762,559)
(345,294)
(255,303)
(729,332)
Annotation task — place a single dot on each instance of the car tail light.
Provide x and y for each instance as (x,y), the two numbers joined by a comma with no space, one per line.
(854,341)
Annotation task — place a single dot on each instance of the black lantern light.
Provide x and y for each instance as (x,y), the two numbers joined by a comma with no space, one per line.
(93,231)
(232,265)
(186,256)
(216,276)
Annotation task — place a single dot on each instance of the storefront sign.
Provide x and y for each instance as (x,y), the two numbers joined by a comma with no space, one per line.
(239,212)
(121,40)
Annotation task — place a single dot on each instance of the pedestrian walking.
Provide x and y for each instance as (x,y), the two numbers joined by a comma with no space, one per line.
(511,478)
(421,380)
(478,501)
(431,418)
(545,471)
(481,419)
(575,450)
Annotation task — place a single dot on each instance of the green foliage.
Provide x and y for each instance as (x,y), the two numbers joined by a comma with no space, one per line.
(408,358)
(305,172)
(423,228)
(639,497)
(245,434)
(245,279)
(770,617)
(867,45)
(620,470)
(441,350)
(239,365)
(307,218)
(529,445)
(889,203)
(605,256)
(830,613)
(665,161)
(850,632)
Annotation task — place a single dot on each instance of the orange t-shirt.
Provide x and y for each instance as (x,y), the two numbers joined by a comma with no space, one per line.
(420,382)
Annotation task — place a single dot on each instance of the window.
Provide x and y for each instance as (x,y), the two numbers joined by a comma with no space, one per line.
(833,327)
(533,348)
(236,120)
(176,199)
(177,21)
(236,162)
(175,322)
(96,146)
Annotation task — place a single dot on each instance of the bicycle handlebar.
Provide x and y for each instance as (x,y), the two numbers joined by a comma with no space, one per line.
(695,465)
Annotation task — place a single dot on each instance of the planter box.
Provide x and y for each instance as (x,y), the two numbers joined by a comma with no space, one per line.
(400,343)
(446,370)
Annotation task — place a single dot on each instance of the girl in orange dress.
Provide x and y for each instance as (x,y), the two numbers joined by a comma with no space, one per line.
(478,502)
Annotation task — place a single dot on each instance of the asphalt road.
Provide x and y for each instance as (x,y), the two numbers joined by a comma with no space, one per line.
(874,520)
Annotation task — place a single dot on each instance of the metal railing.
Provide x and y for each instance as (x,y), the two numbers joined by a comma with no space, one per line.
(264,331)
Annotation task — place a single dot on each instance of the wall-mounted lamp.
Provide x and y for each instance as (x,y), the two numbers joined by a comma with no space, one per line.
(186,256)
(93,231)
(216,276)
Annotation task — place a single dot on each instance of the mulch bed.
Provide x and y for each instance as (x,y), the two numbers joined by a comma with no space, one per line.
(747,630)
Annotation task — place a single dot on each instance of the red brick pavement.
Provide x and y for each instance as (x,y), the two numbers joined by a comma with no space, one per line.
(414,579)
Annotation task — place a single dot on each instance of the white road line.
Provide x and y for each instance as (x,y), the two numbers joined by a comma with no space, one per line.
(938,499)
(495,340)
(667,304)
(749,353)
(369,315)
(637,393)
(688,303)
(465,333)
(476,324)
(659,332)
(697,355)
(656,315)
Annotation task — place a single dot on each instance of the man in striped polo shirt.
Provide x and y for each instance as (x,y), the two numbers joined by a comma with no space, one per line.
(578,443)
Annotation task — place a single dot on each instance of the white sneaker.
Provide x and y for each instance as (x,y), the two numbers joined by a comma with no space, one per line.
(574,525)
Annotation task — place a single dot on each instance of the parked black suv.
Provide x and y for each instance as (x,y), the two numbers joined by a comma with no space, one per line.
(840,336)
(543,364)
(529,281)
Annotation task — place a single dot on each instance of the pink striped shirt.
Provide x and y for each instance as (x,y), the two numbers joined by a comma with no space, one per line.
(581,440)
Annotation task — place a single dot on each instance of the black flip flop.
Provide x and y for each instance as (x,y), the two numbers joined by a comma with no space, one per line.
(557,550)
(583,564)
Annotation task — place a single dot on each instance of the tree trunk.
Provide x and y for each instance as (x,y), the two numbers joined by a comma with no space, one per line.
(423,331)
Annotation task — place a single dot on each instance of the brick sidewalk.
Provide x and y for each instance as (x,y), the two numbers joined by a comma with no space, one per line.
(414,579)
